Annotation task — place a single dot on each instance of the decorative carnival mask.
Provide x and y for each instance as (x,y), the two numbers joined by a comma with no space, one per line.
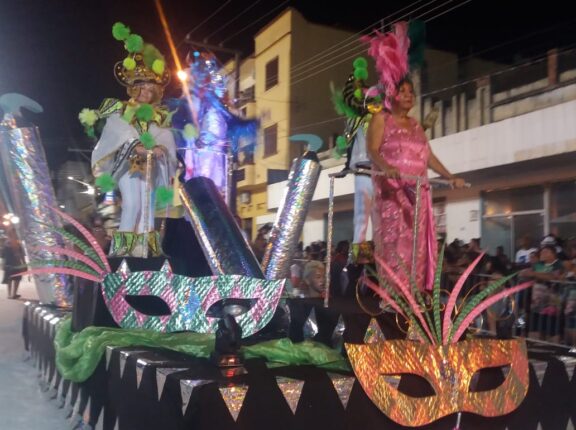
(188,299)
(436,355)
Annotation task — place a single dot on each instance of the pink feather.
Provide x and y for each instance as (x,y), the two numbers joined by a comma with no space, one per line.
(390,52)
(484,305)
(406,292)
(384,294)
(91,239)
(72,254)
(447,325)
(60,271)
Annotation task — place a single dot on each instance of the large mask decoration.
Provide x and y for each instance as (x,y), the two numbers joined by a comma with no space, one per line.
(433,352)
(188,299)
(448,369)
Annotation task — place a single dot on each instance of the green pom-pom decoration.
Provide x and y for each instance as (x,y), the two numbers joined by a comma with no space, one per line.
(145,112)
(147,140)
(360,63)
(134,43)
(105,182)
(336,155)
(120,31)
(358,94)
(129,63)
(341,143)
(158,66)
(377,99)
(361,74)
(88,117)
(190,132)
(164,196)
(150,54)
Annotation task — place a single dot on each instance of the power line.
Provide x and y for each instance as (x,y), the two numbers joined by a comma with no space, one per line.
(301,77)
(303,72)
(209,17)
(233,19)
(254,22)
(354,38)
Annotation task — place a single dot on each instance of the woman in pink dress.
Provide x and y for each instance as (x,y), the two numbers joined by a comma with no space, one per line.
(398,146)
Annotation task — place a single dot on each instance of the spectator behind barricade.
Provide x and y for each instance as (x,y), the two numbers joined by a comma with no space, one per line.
(297,267)
(554,241)
(545,303)
(261,241)
(314,279)
(521,259)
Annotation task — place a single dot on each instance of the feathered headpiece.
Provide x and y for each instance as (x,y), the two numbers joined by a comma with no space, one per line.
(390,51)
(144,62)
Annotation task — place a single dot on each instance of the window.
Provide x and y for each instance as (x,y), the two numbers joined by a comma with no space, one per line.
(271,73)
(270,140)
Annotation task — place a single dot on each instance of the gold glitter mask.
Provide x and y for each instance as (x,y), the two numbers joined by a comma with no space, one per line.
(448,369)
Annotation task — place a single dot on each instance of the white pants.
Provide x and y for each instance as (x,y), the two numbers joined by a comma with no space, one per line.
(133,189)
(363,192)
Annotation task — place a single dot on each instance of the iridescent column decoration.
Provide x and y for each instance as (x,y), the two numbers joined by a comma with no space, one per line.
(290,218)
(25,170)
(224,247)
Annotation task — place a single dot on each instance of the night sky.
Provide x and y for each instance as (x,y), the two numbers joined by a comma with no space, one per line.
(61,52)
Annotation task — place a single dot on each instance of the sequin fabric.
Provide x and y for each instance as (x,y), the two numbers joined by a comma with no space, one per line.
(407,150)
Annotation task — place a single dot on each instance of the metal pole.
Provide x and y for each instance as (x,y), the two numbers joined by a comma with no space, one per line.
(415,230)
(329,241)
(147,209)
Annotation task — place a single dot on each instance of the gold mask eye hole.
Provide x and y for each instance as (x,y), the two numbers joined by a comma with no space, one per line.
(410,384)
(488,378)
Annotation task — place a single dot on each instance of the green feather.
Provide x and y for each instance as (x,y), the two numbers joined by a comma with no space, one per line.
(436,295)
(414,322)
(120,31)
(65,264)
(164,196)
(419,298)
(84,247)
(145,112)
(340,105)
(134,43)
(150,54)
(417,35)
(105,182)
(476,300)
(147,140)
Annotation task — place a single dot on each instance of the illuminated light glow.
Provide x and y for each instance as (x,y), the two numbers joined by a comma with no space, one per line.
(174,52)
(6,223)
(15,220)
(182,75)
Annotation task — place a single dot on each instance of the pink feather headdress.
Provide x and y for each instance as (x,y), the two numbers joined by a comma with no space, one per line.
(390,51)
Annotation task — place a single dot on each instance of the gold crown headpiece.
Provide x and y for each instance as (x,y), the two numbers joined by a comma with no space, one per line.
(144,62)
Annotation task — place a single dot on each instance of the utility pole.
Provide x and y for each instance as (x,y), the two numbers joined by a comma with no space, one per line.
(232,191)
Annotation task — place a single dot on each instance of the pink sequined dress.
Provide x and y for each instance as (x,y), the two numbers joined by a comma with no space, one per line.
(407,150)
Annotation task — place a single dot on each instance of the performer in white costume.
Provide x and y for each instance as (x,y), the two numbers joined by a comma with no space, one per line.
(136,149)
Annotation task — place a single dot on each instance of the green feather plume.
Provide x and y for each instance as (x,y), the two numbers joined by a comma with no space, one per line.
(164,196)
(145,112)
(105,182)
(476,300)
(147,140)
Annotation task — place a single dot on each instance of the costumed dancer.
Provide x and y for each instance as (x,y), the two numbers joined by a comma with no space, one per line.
(358,110)
(398,146)
(211,133)
(136,148)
